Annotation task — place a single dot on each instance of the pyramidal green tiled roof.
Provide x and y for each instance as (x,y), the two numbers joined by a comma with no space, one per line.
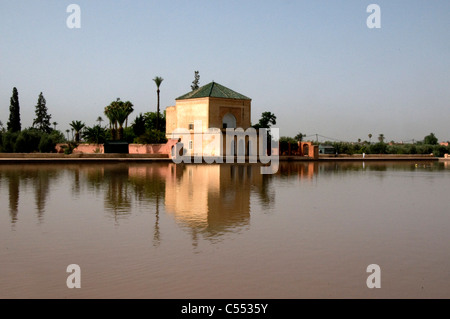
(213,89)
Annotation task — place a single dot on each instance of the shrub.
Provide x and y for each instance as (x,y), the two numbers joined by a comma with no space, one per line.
(424,149)
(8,141)
(378,148)
(48,142)
(28,141)
(151,137)
(45,144)
(95,134)
(128,135)
(440,150)
(69,147)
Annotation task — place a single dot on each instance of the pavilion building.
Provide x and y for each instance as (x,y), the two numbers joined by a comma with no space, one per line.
(204,113)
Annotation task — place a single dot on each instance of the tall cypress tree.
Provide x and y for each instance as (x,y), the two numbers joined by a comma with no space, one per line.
(13,124)
(42,120)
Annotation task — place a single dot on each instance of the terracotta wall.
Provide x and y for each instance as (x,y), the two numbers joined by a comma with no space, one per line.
(89,148)
(133,148)
(308,149)
(82,148)
(152,148)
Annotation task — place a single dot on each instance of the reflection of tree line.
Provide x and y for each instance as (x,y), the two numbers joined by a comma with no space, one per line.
(117,193)
(148,184)
(18,177)
(123,186)
(344,167)
(226,205)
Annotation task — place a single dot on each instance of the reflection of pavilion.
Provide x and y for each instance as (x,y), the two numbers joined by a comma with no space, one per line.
(211,198)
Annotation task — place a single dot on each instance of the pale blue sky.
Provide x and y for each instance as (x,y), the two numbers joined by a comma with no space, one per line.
(314,64)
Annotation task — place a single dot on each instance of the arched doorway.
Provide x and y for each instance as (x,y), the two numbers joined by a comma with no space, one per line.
(228,121)
(305,149)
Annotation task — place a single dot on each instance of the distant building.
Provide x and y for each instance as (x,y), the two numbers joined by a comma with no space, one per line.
(326,149)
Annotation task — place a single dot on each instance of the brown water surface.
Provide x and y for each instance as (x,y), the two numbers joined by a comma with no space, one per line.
(162,230)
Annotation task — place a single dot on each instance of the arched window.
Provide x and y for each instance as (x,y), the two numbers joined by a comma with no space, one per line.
(229,121)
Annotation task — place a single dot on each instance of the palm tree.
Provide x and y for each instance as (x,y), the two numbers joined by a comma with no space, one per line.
(381,138)
(370,138)
(117,113)
(266,121)
(111,115)
(67,131)
(99,120)
(128,106)
(121,117)
(54,124)
(77,126)
(158,80)
(299,137)
(95,134)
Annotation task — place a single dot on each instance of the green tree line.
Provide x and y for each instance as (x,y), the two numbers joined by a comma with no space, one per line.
(41,137)
(429,145)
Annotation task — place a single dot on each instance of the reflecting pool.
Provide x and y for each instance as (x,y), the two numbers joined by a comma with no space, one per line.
(161,230)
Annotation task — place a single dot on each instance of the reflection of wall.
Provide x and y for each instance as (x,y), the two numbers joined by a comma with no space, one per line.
(187,198)
(301,169)
(446,163)
(149,172)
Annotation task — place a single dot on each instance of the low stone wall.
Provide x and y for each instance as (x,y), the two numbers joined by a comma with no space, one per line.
(152,148)
(132,148)
(82,149)
(89,149)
